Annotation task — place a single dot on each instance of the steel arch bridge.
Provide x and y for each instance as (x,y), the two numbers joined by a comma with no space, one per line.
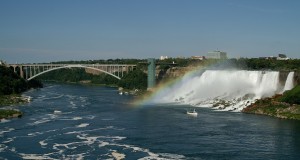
(30,71)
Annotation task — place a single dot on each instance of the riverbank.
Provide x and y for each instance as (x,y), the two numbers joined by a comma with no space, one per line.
(9,100)
(13,99)
(275,108)
(9,113)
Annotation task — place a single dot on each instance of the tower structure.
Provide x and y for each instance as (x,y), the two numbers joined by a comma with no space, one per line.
(151,73)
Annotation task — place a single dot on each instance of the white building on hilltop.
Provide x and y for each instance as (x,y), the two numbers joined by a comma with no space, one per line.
(163,57)
(282,57)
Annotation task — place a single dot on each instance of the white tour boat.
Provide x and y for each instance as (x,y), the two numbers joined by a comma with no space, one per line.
(192,113)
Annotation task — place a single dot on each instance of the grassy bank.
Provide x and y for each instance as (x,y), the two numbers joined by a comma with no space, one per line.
(13,99)
(286,106)
(8,100)
(5,114)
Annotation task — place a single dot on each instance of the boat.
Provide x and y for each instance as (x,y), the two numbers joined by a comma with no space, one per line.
(192,113)
(120,93)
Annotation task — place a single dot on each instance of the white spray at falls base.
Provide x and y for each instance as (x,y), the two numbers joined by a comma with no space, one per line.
(224,90)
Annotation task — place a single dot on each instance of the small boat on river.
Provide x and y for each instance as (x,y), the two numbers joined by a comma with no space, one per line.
(192,113)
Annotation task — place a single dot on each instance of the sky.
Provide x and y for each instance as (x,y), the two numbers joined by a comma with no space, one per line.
(37,31)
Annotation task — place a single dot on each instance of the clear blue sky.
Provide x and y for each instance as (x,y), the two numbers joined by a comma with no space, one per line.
(53,30)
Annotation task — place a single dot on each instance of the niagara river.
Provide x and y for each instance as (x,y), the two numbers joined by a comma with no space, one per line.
(68,121)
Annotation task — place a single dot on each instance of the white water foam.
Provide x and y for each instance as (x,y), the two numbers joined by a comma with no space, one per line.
(43,97)
(3,120)
(40,133)
(82,125)
(44,119)
(6,130)
(41,121)
(76,118)
(43,143)
(151,155)
(3,147)
(113,141)
(35,156)
(223,90)
(9,140)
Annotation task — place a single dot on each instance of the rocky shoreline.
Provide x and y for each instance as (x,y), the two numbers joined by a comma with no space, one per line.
(8,114)
(10,100)
(7,100)
(275,108)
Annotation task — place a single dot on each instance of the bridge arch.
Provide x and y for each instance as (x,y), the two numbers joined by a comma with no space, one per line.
(73,66)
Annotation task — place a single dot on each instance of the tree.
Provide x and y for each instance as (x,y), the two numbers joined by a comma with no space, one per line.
(11,83)
(136,79)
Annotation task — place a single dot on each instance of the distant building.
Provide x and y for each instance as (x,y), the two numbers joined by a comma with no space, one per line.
(163,57)
(282,57)
(216,55)
(198,57)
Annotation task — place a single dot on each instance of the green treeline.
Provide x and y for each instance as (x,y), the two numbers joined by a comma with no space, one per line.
(77,75)
(9,114)
(261,64)
(11,83)
(102,61)
(242,63)
(135,79)
(292,96)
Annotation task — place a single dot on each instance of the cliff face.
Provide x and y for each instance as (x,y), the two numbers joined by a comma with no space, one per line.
(282,77)
(173,72)
(297,77)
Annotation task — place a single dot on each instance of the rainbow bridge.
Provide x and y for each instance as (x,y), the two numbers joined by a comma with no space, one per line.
(30,71)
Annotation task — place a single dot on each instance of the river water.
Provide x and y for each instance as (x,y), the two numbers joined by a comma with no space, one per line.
(90,122)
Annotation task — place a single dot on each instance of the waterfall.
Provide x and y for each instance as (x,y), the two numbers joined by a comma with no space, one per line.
(224,90)
(289,84)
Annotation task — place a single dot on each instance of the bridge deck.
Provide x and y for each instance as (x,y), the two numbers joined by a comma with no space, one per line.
(30,71)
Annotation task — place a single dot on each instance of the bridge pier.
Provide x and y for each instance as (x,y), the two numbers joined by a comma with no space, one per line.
(21,72)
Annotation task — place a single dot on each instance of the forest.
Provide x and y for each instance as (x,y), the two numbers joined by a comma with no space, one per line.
(11,83)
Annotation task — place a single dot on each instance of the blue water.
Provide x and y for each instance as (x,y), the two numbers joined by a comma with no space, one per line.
(89,122)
